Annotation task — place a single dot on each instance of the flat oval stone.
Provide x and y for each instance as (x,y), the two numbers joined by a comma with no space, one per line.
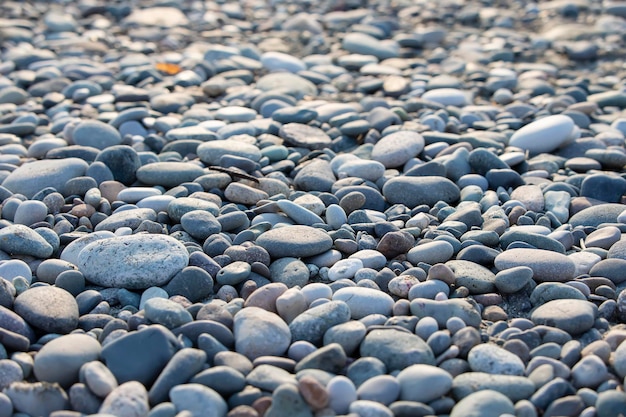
(395,149)
(364,44)
(294,241)
(413,191)
(211,152)
(71,251)
(396,349)
(598,214)
(133,262)
(50,309)
(443,310)
(260,333)
(612,269)
(482,404)
(475,277)
(130,398)
(543,135)
(30,178)
(493,359)
(96,134)
(168,174)
(310,137)
(438,251)
(546,265)
(37,398)
(166,312)
(276,61)
(365,301)
(447,97)
(126,218)
(18,239)
(61,359)
(423,383)
(287,83)
(516,388)
(313,323)
(572,316)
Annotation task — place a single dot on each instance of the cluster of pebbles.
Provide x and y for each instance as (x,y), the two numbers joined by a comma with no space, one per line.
(299,208)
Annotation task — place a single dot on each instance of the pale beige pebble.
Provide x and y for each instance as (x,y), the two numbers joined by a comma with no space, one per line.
(244,194)
(110,190)
(600,348)
(615,337)
(273,186)
(531,196)
(82,210)
(587,107)
(312,203)
(584,261)
(265,296)
(314,393)
(130,399)
(441,272)
(291,304)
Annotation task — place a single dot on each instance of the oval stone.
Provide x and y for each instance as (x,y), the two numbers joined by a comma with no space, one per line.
(60,359)
(543,135)
(365,301)
(34,176)
(546,265)
(395,149)
(572,316)
(295,241)
(414,191)
(132,262)
(50,309)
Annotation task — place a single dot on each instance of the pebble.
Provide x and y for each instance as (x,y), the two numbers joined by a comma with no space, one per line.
(287,399)
(140,356)
(543,135)
(18,239)
(423,383)
(294,241)
(395,149)
(129,399)
(95,134)
(384,389)
(364,301)
(483,403)
(311,325)
(396,349)
(61,359)
(516,388)
(492,359)
(29,179)
(132,262)
(546,265)
(341,393)
(37,398)
(431,252)
(572,316)
(447,97)
(345,268)
(260,333)
(413,191)
(49,309)
(166,312)
(98,378)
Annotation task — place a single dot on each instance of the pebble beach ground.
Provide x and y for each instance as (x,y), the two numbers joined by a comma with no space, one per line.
(299,208)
